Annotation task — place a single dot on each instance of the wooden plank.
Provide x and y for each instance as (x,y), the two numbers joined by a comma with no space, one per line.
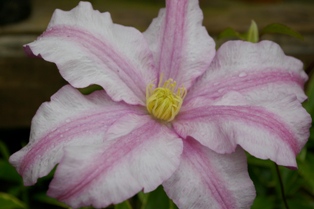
(24,84)
(218,14)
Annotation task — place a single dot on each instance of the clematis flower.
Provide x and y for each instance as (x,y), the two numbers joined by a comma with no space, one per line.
(173,112)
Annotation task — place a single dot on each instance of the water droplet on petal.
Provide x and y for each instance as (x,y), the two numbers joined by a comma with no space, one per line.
(243,74)
(216,83)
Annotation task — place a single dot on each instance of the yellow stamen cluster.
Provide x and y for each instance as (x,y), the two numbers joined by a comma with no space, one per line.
(164,102)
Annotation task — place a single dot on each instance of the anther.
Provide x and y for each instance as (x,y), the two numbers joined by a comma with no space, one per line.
(165,101)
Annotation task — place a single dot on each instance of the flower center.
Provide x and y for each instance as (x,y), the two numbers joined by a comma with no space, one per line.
(164,102)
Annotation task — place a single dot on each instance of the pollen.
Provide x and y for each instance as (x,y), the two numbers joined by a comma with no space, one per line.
(165,101)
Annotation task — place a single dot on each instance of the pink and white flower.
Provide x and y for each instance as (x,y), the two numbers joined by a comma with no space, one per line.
(173,111)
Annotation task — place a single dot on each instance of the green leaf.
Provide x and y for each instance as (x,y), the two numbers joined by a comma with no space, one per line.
(41,197)
(143,197)
(258,162)
(123,205)
(8,201)
(302,155)
(306,170)
(172,205)
(281,29)
(229,33)
(252,34)
(90,89)
(291,181)
(309,103)
(8,172)
(300,201)
(265,202)
(261,175)
(4,150)
(310,142)
(157,199)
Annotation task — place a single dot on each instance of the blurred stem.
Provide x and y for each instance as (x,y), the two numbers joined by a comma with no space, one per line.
(281,187)
(24,196)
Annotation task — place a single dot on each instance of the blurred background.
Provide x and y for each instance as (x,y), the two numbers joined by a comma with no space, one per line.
(25,83)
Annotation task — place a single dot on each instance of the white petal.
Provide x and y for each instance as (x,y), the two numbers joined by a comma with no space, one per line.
(276,129)
(254,70)
(70,118)
(206,179)
(89,49)
(181,46)
(139,154)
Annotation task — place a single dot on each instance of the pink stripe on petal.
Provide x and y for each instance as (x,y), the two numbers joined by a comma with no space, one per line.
(181,46)
(102,53)
(170,54)
(276,131)
(70,118)
(89,49)
(199,163)
(256,70)
(206,179)
(250,82)
(144,154)
(92,124)
(250,115)
(251,96)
